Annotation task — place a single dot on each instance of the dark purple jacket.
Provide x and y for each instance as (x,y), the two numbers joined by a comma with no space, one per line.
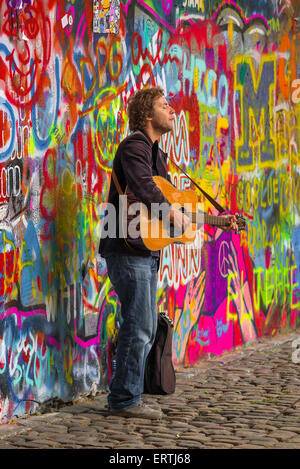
(136,161)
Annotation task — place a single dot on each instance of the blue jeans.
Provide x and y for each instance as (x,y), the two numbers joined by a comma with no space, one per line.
(135,281)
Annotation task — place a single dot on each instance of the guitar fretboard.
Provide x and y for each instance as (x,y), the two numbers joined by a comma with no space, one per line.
(201,218)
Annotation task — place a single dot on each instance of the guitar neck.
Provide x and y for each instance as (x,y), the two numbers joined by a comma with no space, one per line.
(212,220)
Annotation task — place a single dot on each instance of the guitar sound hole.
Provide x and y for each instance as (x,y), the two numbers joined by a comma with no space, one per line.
(174,232)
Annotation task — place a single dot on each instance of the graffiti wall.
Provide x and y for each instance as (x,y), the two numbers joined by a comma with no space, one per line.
(231,70)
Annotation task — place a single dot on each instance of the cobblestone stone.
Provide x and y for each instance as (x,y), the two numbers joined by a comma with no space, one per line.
(246,399)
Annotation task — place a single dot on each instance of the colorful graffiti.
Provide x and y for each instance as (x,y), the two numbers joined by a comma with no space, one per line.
(231,71)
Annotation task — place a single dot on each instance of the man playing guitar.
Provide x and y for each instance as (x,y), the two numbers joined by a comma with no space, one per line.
(132,267)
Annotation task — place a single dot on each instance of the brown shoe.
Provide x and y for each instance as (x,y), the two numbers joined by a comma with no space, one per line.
(141,411)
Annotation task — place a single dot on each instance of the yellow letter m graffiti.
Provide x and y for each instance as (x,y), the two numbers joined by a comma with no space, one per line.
(255,99)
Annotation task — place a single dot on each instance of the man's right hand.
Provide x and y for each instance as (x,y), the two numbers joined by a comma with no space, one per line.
(179,220)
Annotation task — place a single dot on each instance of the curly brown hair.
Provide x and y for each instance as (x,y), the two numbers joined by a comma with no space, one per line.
(140,106)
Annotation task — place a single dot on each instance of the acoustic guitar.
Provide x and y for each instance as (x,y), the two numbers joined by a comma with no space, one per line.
(157,233)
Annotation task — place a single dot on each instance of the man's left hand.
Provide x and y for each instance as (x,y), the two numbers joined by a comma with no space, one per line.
(232,223)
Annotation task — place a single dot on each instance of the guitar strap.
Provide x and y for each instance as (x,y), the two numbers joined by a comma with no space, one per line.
(115,179)
(212,201)
(120,192)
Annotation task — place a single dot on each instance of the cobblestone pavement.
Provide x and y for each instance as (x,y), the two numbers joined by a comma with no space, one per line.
(249,398)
